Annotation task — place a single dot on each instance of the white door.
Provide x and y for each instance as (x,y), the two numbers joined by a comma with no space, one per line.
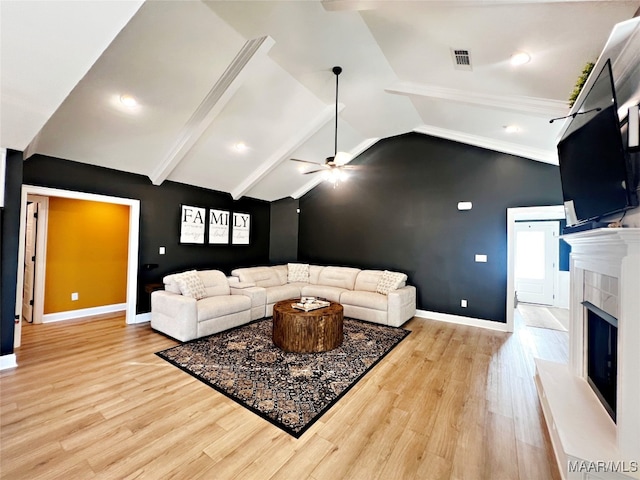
(536,257)
(29,262)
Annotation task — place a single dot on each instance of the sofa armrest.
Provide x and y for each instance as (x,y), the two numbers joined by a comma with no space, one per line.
(401,305)
(258,296)
(173,304)
(174,314)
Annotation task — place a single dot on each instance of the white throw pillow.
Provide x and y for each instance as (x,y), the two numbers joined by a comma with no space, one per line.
(191,284)
(298,272)
(390,281)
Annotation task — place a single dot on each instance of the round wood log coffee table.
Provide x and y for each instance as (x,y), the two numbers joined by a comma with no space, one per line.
(306,332)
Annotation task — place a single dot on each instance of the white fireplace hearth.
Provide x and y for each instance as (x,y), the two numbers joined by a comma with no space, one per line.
(588,444)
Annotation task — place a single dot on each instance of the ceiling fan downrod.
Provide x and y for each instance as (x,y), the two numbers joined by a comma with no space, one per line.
(337,70)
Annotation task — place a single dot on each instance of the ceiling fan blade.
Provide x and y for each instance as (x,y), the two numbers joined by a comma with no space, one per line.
(349,167)
(305,161)
(313,171)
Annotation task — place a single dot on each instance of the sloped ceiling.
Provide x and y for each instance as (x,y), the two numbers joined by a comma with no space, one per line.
(208,75)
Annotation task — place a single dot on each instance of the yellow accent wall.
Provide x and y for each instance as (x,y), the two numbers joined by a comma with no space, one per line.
(87,245)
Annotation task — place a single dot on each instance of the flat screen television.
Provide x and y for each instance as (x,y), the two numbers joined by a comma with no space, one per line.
(595,169)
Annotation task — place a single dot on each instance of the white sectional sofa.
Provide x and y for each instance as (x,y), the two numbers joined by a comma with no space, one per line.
(195,304)
(359,291)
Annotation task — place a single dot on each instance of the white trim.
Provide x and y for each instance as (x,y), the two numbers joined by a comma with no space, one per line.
(227,85)
(554,212)
(142,318)
(543,107)
(3,172)
(539,154)
(8,361)
(460,320)
(285,151)
(83,312)
(133,244)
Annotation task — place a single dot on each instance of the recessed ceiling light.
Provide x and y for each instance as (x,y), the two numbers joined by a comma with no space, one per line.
(511,128)
(240,147)
(128,101)
(520,58)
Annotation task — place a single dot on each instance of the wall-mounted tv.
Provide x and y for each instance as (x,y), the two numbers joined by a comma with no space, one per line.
(595,170)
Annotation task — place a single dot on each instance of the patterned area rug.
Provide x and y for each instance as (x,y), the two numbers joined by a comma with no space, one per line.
(290,390)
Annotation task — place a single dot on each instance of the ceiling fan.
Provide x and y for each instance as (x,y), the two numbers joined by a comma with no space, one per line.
(334,166)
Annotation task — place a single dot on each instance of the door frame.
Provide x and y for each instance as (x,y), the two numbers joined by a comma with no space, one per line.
(552,212)
(133,243)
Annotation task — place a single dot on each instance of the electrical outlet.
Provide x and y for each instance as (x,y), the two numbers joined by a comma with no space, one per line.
(161,250)
(74,296)
(463,303)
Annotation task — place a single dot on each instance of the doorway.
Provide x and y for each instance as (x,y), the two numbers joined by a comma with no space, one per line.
(536,257)
(523,214)
(132,249)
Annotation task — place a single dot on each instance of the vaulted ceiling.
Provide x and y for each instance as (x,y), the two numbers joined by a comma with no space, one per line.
(209,76)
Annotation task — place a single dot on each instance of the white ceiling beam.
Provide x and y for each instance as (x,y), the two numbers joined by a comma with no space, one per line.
(356,5)
(215,101)
(361,147)
(285,152)
(535,106)
(539,154)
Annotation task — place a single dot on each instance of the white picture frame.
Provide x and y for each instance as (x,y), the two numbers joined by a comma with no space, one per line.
(192,224)
(241,228)
(219,226)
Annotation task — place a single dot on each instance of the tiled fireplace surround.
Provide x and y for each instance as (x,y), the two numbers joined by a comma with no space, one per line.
(605,270)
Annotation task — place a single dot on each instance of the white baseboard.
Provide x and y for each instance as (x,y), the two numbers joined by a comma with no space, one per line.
(8,361)
(470,321)
(142,318)
(83,312)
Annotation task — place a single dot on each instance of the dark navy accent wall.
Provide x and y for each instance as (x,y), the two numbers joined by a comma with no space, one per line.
(160,217)
(9,232)
(399,212)
(283,245)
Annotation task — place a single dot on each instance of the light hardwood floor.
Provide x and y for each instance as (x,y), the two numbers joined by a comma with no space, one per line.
(91,400)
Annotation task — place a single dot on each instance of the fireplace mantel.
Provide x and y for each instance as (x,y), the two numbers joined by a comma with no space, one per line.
(605,270)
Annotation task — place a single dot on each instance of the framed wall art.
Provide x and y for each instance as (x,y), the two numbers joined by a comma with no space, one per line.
(192,224)
(241,228)
(218,226)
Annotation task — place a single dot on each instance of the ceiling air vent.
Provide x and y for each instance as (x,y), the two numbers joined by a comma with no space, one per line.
(461,59)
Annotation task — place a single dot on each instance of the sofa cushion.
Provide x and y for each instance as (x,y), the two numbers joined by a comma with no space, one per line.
(215,282)
(190,284)
(221,305)
(298,272)
(261,276)
(323,291)
(341,277)
(390,281)
(282,271)
(282,292)
(367,280)
(314,273)
(374,300)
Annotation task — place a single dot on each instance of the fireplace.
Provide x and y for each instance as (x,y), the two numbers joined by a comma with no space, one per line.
(591,404)
(602,356)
